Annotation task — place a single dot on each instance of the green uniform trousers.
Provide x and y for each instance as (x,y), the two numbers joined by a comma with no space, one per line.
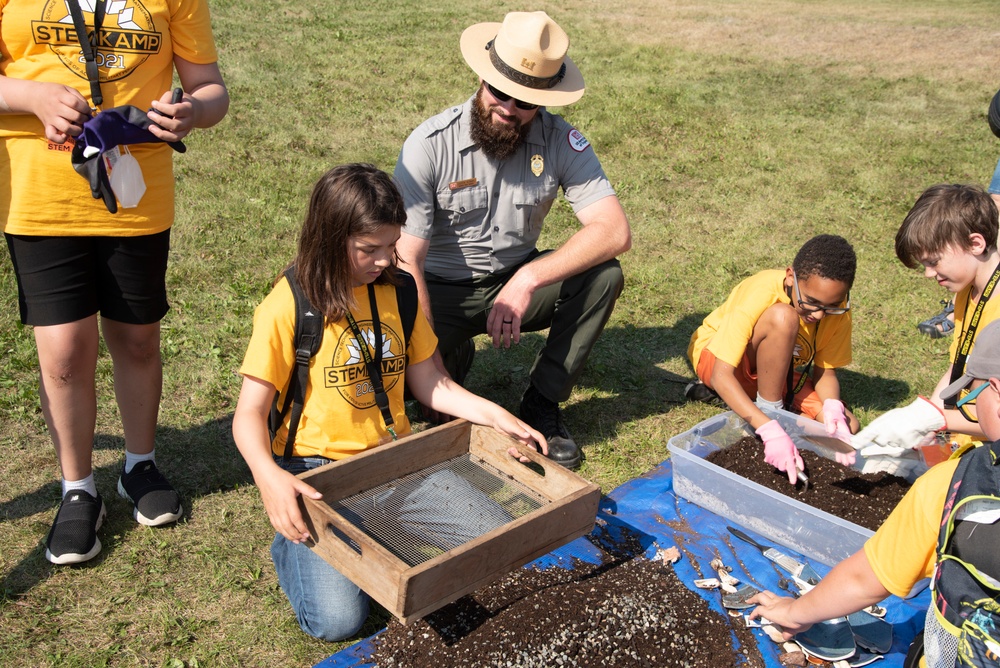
(575,311)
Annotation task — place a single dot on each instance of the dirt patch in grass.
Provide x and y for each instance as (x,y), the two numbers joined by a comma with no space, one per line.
(865,499)
(860,37)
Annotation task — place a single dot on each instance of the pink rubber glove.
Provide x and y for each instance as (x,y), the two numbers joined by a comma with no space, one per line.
(835,421)
(779,451)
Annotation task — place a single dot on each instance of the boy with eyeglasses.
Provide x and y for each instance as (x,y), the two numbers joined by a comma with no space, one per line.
(947,528)
(776,342)
(951,232)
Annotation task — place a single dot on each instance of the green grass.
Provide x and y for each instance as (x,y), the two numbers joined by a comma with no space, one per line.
(731,135)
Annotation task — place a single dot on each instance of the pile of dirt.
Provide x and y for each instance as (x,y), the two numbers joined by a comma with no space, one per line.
(866,499)
(627,612)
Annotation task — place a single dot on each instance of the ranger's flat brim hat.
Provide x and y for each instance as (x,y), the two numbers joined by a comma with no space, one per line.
(525,57)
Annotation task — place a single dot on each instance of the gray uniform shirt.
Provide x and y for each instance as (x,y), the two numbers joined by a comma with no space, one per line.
(483,216)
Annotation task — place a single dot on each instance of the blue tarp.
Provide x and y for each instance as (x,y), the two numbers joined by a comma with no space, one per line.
(647,508)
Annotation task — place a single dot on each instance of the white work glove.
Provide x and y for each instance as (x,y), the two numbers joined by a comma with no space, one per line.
(909,465)
(779,451)
(835,421)
(900,430)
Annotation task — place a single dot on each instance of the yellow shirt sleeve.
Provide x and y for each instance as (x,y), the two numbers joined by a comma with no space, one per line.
(902,551)
(726,331)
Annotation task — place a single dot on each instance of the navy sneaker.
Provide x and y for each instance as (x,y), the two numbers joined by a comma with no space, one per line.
(73,536)
(155,501)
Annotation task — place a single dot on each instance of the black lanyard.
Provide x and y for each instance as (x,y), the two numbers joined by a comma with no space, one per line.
(792,388)
(958,368)
(791,391)
(374,366)
(89,50)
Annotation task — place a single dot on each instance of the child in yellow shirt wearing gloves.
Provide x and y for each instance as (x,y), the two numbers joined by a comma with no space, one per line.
(776,343)
(951,232)
(945,528)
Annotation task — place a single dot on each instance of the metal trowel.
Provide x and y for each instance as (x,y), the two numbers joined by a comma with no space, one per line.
(801,572)
(870,632)
(831,640)
(738,599)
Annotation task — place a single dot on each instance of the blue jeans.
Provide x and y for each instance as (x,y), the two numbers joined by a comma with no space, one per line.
(994,187)
(329,606)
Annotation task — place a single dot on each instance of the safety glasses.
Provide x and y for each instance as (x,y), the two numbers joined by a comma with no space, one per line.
(967,406)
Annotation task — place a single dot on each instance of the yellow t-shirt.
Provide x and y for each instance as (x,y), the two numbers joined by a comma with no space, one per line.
(728,329)
(964,310)
(42,194)
(903,550)
(339,416)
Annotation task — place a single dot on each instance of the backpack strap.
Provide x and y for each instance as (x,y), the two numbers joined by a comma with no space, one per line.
(406,300)
(308,336)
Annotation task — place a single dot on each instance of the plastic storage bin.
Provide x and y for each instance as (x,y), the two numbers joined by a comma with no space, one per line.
(811,532)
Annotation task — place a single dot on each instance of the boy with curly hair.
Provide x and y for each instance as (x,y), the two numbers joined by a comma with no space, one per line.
(776,342)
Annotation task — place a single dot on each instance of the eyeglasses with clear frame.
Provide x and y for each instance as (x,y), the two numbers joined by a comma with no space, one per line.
(815,308)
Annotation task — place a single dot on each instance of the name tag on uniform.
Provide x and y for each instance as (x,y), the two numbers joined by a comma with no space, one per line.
(464,183)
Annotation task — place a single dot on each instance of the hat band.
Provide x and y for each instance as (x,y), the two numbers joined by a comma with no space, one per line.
(518,77)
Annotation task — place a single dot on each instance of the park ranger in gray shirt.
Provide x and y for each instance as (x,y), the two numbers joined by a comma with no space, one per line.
(478,180)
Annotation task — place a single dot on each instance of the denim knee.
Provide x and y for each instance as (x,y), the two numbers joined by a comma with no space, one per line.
(327,605)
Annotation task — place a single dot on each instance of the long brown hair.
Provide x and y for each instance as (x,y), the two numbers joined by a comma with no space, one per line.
(349,200)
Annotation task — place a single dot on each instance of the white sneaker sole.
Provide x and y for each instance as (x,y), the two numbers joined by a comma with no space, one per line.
(76,557)
(165,518)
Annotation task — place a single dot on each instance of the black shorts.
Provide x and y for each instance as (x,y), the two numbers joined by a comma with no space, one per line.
(65,279)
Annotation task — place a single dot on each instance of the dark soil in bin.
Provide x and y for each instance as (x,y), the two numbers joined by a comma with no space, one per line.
(626,612)
(866,499)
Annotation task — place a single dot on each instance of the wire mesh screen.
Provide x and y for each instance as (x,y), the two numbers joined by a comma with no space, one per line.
(438,508)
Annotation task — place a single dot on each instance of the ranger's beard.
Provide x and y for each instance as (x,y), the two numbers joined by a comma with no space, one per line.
(498,141)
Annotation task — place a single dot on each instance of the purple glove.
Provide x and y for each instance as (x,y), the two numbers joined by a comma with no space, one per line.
(120,125)
(779,451)
(835,421)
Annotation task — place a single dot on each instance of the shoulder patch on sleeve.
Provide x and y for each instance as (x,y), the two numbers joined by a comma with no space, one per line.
(577,141)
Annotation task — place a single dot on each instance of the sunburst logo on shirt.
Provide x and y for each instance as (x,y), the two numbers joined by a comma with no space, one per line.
(126,39)
(348,373)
